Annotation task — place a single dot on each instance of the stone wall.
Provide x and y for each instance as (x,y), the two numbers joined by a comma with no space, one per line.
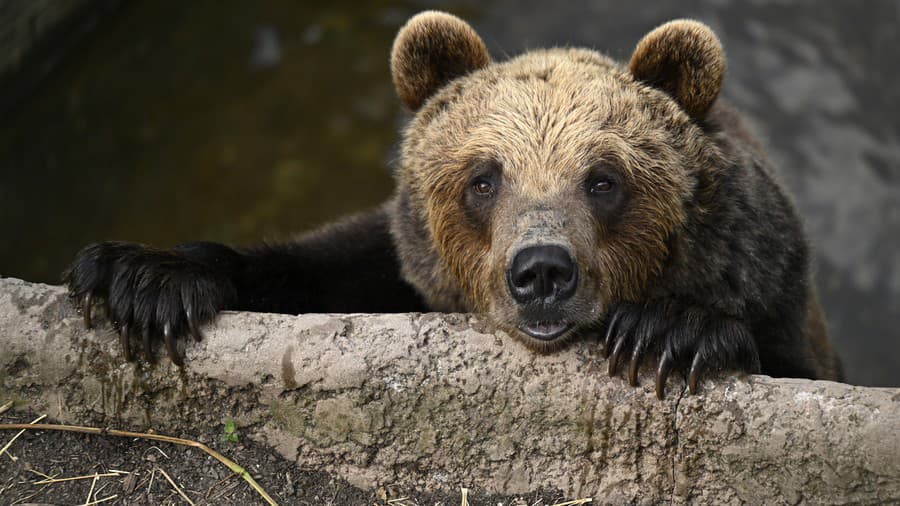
(433,401)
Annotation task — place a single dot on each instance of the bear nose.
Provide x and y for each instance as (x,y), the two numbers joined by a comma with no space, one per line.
(542,273)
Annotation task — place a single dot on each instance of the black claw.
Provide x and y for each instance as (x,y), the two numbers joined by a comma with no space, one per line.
(635,365)
(192,323)
(148,348)
(696,372)
(617,353)
(610,332)
(662,374)
(125,339)
(170,345)
(86,306)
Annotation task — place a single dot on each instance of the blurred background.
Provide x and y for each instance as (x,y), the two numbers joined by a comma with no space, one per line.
(166,121)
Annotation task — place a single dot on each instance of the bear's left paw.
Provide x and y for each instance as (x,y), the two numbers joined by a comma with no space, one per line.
(690,340)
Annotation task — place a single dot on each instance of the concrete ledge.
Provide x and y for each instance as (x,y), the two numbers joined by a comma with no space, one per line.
(434,402)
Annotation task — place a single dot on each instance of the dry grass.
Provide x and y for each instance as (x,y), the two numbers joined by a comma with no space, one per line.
(233,466)
(213,493)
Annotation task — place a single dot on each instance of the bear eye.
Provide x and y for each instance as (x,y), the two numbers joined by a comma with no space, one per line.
(601,186)
(482,188)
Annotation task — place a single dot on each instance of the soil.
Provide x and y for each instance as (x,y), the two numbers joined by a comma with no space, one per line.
(140,467)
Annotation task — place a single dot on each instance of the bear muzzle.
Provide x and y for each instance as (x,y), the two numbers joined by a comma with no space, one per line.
(540,278)
(545,274)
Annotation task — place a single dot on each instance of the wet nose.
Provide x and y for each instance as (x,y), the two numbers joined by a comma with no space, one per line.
(542,273)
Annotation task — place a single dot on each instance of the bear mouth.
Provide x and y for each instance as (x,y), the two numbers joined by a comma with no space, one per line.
(545,330)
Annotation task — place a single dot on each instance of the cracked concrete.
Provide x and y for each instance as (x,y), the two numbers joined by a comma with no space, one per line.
(434,402)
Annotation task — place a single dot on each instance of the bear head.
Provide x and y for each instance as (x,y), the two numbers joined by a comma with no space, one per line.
(541,190)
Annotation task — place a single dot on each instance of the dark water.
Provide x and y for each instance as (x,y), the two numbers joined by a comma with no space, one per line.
(235,121)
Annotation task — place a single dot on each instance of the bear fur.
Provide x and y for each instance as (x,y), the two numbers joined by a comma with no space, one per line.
(558,193)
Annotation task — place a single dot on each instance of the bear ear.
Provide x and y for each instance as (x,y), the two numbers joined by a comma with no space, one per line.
(685,59)
(432,49)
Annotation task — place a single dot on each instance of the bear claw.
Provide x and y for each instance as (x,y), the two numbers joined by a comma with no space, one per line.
(87,305)
(125,340)
(666,365)
(192,324)
(610,333)
(170,345)
(635,365)
(694,376)
(689,341)
(148,294)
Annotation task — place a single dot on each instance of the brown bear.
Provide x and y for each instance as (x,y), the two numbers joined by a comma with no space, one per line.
(557,193)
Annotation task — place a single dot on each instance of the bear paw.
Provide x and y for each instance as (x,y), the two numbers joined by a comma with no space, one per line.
(146,292)
(690,340)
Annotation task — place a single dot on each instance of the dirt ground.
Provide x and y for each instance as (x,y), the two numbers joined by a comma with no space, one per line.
(133,471)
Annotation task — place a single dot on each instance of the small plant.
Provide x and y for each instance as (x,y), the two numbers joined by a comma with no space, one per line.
(229,432)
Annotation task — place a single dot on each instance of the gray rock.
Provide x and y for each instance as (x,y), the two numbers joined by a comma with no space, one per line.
(432,401)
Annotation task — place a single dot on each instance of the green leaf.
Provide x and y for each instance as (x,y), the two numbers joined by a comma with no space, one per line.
(229,432)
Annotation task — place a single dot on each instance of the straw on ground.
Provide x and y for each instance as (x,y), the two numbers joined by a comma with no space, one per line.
(233,466)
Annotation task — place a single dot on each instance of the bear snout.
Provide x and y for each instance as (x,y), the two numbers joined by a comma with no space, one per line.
(544,274)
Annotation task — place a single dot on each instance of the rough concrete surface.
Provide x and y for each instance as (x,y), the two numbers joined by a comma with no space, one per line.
(434,401)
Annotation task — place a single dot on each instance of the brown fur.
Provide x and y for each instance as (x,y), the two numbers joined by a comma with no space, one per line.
(431,50)
(559,98)
(827,364)
(553,193)
(547,117)
(685,59)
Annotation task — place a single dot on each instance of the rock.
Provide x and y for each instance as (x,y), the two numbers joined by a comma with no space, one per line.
(431,401)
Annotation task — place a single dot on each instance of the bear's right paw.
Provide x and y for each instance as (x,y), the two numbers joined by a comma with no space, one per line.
(690,340)
(147,292)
